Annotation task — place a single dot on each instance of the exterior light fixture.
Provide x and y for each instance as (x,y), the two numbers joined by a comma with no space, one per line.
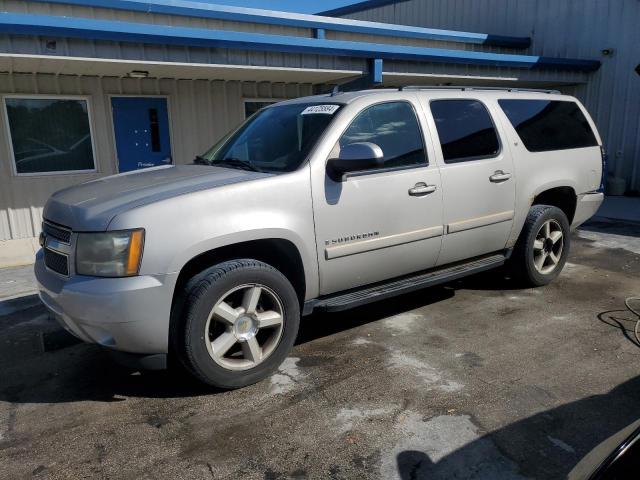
(138,74)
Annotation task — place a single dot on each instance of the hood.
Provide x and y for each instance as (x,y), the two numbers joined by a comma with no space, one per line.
(92,205)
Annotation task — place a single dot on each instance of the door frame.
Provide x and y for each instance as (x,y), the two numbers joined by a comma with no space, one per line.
(113,130)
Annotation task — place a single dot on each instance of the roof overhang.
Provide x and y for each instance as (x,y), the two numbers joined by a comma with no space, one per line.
(199,9)
(61,65)
(84,28)
(87,66)
(359,7)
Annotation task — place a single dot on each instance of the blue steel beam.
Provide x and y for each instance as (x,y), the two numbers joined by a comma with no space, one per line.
(288,19)
(28,24)
(358,7)
(369,79)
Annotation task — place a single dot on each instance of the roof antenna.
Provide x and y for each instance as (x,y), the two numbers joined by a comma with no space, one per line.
(335,91)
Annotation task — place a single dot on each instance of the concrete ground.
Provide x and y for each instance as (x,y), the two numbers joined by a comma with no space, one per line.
(620,208)
(475,379)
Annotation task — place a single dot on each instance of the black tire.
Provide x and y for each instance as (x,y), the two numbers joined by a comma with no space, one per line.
(199,298)
(522,261)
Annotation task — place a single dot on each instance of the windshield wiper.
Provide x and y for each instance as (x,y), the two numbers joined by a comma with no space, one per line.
(236,162)
(200,160)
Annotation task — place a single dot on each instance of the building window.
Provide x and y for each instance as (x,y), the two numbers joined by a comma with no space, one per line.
(49,135)
(465,129)
(252,106)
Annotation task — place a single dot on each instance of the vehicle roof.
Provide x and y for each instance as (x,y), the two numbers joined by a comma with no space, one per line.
(476,92)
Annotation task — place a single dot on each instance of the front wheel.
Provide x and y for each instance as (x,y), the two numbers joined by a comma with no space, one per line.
(543,246)
(239,322)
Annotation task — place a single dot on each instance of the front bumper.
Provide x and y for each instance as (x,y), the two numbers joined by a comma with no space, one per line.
(586,207)
(127,314)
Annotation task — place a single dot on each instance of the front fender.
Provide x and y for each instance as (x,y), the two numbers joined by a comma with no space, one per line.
(309,262)
(181,228)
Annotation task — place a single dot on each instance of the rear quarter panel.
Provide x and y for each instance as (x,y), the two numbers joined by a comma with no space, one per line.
(535,172)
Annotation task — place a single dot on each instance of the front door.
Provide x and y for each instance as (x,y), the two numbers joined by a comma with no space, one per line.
(379,224)
(478,178)
(141,126)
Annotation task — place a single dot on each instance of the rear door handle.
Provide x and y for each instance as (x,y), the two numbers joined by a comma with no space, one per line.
(499,176)
(421,189)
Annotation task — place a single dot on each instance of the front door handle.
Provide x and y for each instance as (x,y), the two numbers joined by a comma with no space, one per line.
(499,176)
(421,189)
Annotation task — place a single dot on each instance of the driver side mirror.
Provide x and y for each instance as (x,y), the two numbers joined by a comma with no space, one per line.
(355,157)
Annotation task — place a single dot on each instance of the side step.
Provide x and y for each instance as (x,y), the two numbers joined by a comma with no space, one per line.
(380,291)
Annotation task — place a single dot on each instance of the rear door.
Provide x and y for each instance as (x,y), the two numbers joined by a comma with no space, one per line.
(478,181)
(141,127)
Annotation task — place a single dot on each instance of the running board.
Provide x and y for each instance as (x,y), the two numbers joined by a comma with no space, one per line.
(380,291)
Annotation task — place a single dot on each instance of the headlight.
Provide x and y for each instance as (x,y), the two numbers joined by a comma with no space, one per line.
(109,254)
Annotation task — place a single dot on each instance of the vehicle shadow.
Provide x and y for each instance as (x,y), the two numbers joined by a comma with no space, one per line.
(78,372)
(324,324)
(546,445)
(86,372)
(617,227)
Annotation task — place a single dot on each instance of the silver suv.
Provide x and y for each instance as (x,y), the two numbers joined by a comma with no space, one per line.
(326,202)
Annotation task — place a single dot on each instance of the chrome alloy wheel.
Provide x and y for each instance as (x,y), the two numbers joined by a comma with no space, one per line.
(244,327)
(548,246)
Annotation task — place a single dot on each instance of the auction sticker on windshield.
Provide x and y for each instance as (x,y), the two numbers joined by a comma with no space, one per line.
(326,109)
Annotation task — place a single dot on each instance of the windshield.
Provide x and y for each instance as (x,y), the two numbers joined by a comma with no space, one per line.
(275,139)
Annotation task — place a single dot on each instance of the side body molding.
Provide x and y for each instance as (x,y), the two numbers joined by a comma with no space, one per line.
(337,251)
(480,221)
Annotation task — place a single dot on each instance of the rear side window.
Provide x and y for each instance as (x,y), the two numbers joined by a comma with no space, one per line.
(392,126)
(545,125)
(465,129)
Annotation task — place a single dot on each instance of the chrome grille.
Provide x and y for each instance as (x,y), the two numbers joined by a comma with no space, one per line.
(56,240)
(56,261)
(56,231)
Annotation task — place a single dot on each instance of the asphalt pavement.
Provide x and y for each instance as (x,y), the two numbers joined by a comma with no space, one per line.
(474,379)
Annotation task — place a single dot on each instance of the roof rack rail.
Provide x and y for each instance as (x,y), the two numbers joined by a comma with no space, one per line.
(464,88)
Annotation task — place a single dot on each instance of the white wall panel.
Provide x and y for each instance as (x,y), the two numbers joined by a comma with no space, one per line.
(200,113)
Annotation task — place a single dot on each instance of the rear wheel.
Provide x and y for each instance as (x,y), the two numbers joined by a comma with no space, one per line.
(240,320)
(543,246)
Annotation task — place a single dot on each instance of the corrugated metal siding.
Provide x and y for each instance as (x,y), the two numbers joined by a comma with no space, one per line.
(22,6)
(72,47)
(358,37)
(569,28)
(200,113)
(166,53)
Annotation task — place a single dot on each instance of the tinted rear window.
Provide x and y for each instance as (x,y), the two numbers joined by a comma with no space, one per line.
(545,125)
(465,129)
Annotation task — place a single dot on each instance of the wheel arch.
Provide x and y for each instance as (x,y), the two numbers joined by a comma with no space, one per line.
(563,197)
(280,253)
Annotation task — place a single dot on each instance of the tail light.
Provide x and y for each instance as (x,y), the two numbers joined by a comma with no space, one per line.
(603,178)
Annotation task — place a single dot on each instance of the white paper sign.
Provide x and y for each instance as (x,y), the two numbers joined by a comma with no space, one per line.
(326,109)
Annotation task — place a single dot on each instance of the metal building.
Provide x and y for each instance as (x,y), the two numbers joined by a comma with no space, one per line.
(605,30)
(90,88)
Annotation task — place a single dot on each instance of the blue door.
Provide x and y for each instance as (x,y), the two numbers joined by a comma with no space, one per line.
(141,126)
